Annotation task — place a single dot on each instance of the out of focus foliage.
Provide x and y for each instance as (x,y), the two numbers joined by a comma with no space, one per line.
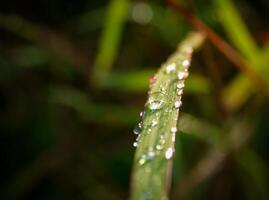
(74,76)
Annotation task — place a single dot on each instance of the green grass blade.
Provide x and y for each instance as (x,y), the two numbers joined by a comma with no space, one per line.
(110,38)
(156,132)
(240,89)
(137,81)
(237,31)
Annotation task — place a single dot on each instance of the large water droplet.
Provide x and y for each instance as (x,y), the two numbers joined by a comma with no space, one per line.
(169,153)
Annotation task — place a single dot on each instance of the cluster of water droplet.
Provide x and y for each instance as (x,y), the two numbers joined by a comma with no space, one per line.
(177,69)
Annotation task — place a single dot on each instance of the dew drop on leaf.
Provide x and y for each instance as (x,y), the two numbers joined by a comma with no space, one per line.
(154,123)
(180,85)
(182,75)
(137,130)
(170,68)
(186,63)
(178,104)
(180,92)
(173,129)
(155,105)
(169,153)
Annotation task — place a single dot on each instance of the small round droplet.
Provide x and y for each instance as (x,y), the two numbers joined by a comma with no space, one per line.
(173,129)
(178,104)
(155,105)
(154,123)
(180,92)
(142,161)
(182,75)
(186,63)
(180,85)
(159,147)
(170,68)
(135,144)
(136,130)
(169,153)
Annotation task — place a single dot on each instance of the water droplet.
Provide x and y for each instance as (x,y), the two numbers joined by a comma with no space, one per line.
(182,75)
(136,130)
(142,161)
(186,63)
(155,105)
(180,85)
(154,123)
(142,114)
(180,92)
(138,138)
(169,153)
(146,157)
(159,147)
(170,68)
(135,144)
(173,129)
(178,104)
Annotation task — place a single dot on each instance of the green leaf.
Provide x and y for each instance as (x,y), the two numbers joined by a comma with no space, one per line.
(156,132)
(110,39)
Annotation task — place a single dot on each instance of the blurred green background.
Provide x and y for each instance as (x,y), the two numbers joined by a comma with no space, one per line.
(74,77)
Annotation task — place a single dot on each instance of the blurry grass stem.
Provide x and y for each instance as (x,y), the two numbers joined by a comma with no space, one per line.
(256,77)
(110,39)
(240,89)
